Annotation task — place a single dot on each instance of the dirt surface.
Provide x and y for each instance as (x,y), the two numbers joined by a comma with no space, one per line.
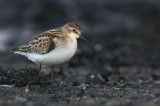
(106,77)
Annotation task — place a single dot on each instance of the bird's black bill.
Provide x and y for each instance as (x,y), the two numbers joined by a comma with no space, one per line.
(84,39)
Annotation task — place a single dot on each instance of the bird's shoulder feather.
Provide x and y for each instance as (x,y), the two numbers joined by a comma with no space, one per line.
(43,43)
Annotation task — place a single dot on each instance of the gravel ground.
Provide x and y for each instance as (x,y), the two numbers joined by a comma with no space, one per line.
(106,77)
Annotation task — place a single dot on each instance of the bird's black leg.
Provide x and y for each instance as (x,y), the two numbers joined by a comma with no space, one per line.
(52,72)
(40,67)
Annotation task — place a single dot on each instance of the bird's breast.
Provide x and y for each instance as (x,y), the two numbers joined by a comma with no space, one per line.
(59,55)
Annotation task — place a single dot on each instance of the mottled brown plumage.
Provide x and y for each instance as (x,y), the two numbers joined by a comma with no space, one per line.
(42,44)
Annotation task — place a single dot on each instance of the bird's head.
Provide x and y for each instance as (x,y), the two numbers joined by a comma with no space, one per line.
(72,29)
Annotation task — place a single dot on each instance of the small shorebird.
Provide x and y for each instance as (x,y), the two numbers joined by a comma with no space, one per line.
(52,47)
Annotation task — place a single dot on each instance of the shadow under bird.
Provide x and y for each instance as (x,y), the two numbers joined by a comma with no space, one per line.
(52,47)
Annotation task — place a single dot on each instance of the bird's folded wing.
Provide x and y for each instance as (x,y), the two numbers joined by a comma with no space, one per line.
(41,45)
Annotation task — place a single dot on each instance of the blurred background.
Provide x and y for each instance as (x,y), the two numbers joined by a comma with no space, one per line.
(120,32)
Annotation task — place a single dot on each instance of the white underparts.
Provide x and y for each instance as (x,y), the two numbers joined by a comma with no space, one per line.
(57,56)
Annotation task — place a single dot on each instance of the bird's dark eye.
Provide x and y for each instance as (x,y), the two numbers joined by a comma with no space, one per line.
(74,31)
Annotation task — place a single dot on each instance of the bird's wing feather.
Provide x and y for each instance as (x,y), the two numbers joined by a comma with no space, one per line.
(42,44)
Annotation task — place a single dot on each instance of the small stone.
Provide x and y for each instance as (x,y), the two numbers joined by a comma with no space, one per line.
(59,71)
(98,47)
(103,77)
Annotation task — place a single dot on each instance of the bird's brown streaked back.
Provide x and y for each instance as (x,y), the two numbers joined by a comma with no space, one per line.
(42,44)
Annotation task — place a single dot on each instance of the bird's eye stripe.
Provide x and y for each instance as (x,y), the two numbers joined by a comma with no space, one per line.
(75,31)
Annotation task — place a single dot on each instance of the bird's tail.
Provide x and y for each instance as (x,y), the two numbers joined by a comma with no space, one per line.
(14,49)
(22,48)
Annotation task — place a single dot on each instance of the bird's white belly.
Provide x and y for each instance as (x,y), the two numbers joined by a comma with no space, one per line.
(57,56)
